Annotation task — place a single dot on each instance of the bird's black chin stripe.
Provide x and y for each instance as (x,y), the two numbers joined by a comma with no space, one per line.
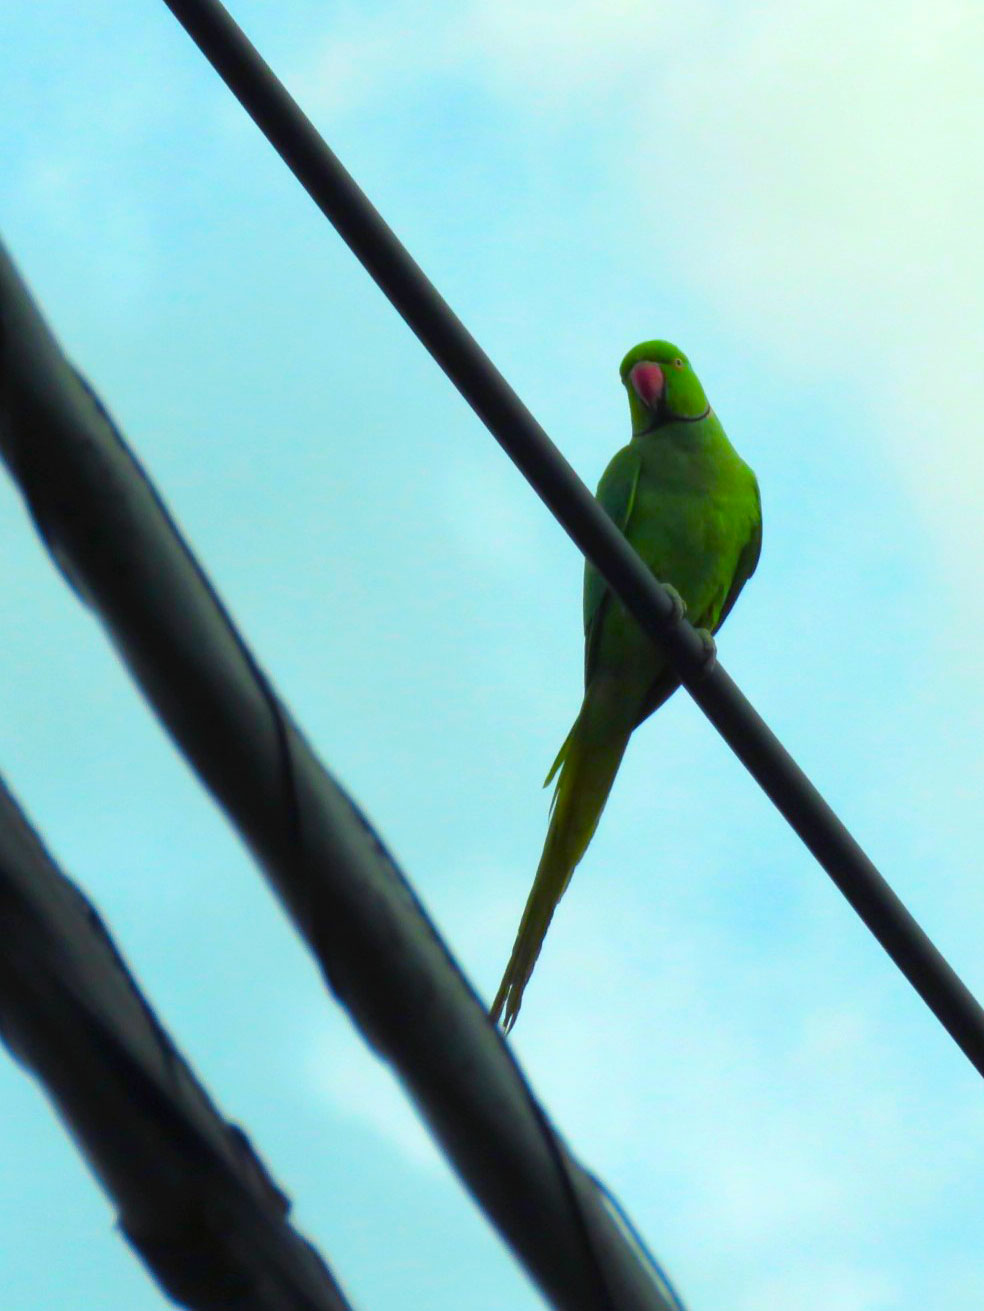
(663,416)
(687,418)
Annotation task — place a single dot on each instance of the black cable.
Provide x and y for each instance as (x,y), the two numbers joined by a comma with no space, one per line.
(109,531)
(295,138)
(192,1197)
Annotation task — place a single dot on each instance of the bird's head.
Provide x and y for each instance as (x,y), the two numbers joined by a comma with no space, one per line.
(662,386)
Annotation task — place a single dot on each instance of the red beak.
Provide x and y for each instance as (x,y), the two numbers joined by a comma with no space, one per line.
(648,382)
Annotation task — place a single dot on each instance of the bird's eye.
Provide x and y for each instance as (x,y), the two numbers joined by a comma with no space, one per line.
(678,363)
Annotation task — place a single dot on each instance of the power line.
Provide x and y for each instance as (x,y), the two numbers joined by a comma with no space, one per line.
(193,1198)
(109,532)
(322,175)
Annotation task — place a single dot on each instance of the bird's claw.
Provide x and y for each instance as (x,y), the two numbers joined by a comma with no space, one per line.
(709,655)
(679,604)
(709,648)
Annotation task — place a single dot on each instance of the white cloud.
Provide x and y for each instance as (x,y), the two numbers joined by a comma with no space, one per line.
(817,170)
(493,529)
(819,1285)
(368,58)
(546,53)
(360,1087)
(826,190)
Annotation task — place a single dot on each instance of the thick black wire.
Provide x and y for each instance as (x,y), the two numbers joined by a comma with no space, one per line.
(109,532)
(297,141)
(192,1197)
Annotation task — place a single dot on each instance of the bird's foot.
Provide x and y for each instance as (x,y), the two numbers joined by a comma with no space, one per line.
(709,655)
(679,604)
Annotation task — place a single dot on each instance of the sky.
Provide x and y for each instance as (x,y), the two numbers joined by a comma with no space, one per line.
(795,196)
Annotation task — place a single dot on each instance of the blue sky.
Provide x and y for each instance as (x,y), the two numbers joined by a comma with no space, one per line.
(796,196)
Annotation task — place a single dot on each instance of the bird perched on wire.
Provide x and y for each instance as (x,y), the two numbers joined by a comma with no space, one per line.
(690,506)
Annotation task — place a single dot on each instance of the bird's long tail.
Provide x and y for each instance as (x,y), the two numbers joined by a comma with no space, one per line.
(588,762)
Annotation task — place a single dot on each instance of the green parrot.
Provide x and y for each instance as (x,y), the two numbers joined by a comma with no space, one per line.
(690,506)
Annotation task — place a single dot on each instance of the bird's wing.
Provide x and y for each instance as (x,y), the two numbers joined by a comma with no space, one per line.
(616,496)
(667,681)
(747,561)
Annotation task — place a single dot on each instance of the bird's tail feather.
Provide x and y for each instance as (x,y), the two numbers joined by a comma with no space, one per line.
(588,762)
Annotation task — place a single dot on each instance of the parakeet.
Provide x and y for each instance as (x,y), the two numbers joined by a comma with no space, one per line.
(690,506)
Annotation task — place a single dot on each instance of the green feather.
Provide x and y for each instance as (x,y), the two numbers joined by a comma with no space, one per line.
(690,506)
